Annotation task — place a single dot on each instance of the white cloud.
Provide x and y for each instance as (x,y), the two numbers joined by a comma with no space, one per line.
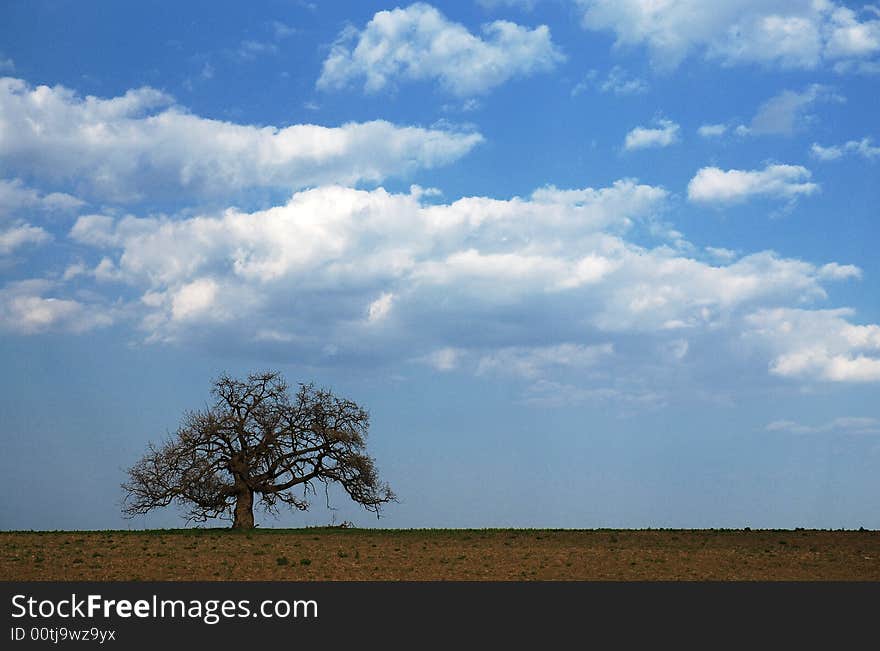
(664,135)
(123,149)
(714,185)
(319,227)
(194,299)
(850,37)
(817,362)
(535,286)
(722,254)
(841,425)
(712,130)
(665,292)
(60,202)
(16,197)
(96,230)
(420,43)
(20,235)
(106,271)
(786,113)
(25,309)
(864,148)
(818,344)
(74,270)
(835,271)
(826,153)
(380,308)
(780,33)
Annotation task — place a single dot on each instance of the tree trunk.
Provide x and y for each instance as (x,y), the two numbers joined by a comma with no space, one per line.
(244,509)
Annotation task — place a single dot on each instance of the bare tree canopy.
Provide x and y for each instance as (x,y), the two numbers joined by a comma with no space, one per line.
(258,440)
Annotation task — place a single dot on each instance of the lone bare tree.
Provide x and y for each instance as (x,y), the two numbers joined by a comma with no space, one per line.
(257,439)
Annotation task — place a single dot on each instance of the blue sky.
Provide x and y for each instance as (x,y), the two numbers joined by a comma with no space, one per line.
(588,263)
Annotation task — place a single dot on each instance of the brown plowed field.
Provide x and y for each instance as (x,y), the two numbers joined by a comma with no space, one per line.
(329,554)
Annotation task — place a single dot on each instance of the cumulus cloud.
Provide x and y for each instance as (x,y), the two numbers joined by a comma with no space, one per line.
(548,287)
(714,185)
(818,344)
(800,34)
(835,271)
(864,148)
(26,309)
(140,145)
(193,300)
(420,43)
(665,134)
(720,253)
(16,197)
(318,228)
(851,37)
(20,235)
